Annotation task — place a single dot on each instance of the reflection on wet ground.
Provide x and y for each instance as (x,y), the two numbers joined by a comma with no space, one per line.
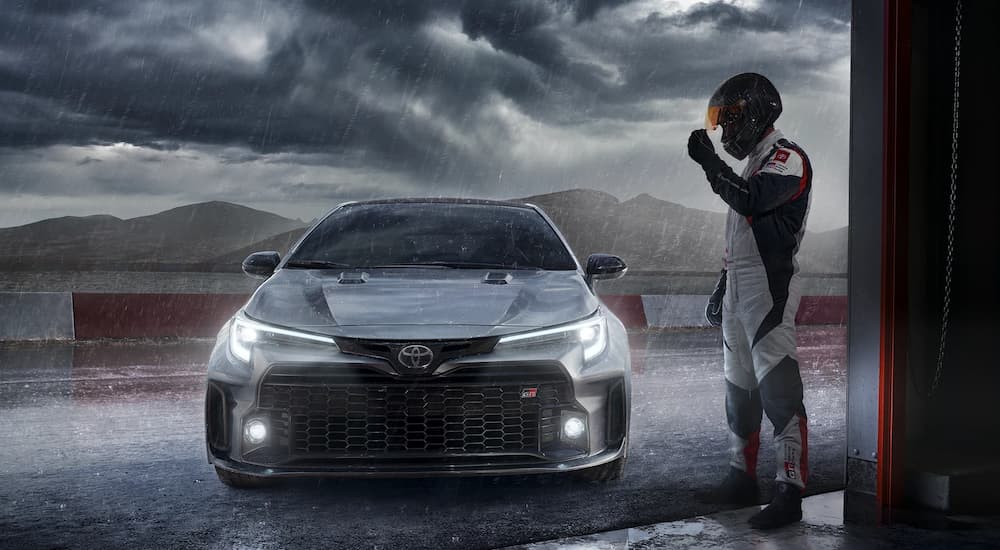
(822,528)
(103,447)
(94,372)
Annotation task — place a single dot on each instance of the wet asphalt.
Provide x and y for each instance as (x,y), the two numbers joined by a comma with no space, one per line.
(101,446)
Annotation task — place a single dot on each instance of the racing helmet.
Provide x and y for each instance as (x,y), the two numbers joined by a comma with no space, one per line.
(745,105)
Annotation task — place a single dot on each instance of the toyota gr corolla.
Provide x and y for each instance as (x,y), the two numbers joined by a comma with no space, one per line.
(421,337)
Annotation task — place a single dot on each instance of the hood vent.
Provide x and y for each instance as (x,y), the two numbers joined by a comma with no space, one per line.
(497,278)
(353,278)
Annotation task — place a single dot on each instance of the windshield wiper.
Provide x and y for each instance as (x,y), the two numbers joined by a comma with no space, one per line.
(317,264)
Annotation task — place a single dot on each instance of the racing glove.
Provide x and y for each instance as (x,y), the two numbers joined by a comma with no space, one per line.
(713,311)
(701,150)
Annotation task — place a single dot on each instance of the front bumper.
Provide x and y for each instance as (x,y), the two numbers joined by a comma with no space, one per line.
(327,424)
(443,469)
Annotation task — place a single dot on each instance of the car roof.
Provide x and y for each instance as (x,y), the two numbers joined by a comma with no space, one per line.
(444,200)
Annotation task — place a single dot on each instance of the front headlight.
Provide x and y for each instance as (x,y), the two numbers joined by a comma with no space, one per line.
(244,333)
(590,333)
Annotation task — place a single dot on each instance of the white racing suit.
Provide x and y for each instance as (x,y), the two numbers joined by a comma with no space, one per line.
(767,217)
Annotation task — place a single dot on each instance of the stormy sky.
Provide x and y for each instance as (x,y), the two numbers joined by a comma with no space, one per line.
(133,106)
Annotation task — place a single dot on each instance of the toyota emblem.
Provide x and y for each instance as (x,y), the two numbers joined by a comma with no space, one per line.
(416,356)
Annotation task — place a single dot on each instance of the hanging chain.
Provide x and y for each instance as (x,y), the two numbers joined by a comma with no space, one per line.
(952,201)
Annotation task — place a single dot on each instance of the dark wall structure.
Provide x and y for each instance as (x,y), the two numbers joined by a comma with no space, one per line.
(937,446)
(864,253)
(954,429)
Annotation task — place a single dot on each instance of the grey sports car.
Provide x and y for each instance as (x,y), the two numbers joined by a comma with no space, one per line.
(421,337)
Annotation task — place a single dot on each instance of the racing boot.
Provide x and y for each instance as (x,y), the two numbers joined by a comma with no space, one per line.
(737,489)
(785,508)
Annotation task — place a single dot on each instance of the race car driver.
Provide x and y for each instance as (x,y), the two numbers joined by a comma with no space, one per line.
(768,206)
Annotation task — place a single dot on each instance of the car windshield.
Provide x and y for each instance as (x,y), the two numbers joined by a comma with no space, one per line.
(445,235)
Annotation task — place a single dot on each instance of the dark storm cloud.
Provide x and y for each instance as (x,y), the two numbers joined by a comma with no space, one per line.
(726,17)
(73,83)
(415,12)
(69,87)
(586,9)
(515,27)
(370,14)
(774,15)
(371,83)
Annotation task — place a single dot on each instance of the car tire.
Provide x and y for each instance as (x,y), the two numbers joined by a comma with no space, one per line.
(605,473)
(242,481)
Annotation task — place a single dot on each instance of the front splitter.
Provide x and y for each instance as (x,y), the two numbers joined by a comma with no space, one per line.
(604,457)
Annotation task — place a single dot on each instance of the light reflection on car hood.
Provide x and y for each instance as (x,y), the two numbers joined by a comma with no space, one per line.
(413,303)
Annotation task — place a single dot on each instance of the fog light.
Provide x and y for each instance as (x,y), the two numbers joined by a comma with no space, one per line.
(573,428)
(255,432)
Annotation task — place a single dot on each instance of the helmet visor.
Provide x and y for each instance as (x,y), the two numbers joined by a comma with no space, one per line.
(722,114)
(712,117)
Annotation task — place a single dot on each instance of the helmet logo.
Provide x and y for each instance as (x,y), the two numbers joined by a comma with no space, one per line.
(415,356)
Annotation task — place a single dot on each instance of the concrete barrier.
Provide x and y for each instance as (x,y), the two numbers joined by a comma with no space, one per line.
(36,316)
(628,308)
(688,310)
(673,311)
(99,315)
(822,310)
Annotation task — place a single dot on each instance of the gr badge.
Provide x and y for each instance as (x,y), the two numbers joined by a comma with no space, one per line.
(529,393)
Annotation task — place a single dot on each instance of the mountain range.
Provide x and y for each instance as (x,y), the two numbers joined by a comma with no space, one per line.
(649,233)
(183,236)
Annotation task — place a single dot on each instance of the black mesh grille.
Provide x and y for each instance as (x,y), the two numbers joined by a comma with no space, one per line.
(216,413)
(616,414)
(353,411)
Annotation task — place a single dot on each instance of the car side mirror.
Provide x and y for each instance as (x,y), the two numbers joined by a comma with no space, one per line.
(605,267)
(261,264)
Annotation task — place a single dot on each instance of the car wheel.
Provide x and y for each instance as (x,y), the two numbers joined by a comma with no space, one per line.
(242,481)
(612,471)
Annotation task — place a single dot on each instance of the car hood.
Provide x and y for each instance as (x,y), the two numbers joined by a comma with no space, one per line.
(418,303)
